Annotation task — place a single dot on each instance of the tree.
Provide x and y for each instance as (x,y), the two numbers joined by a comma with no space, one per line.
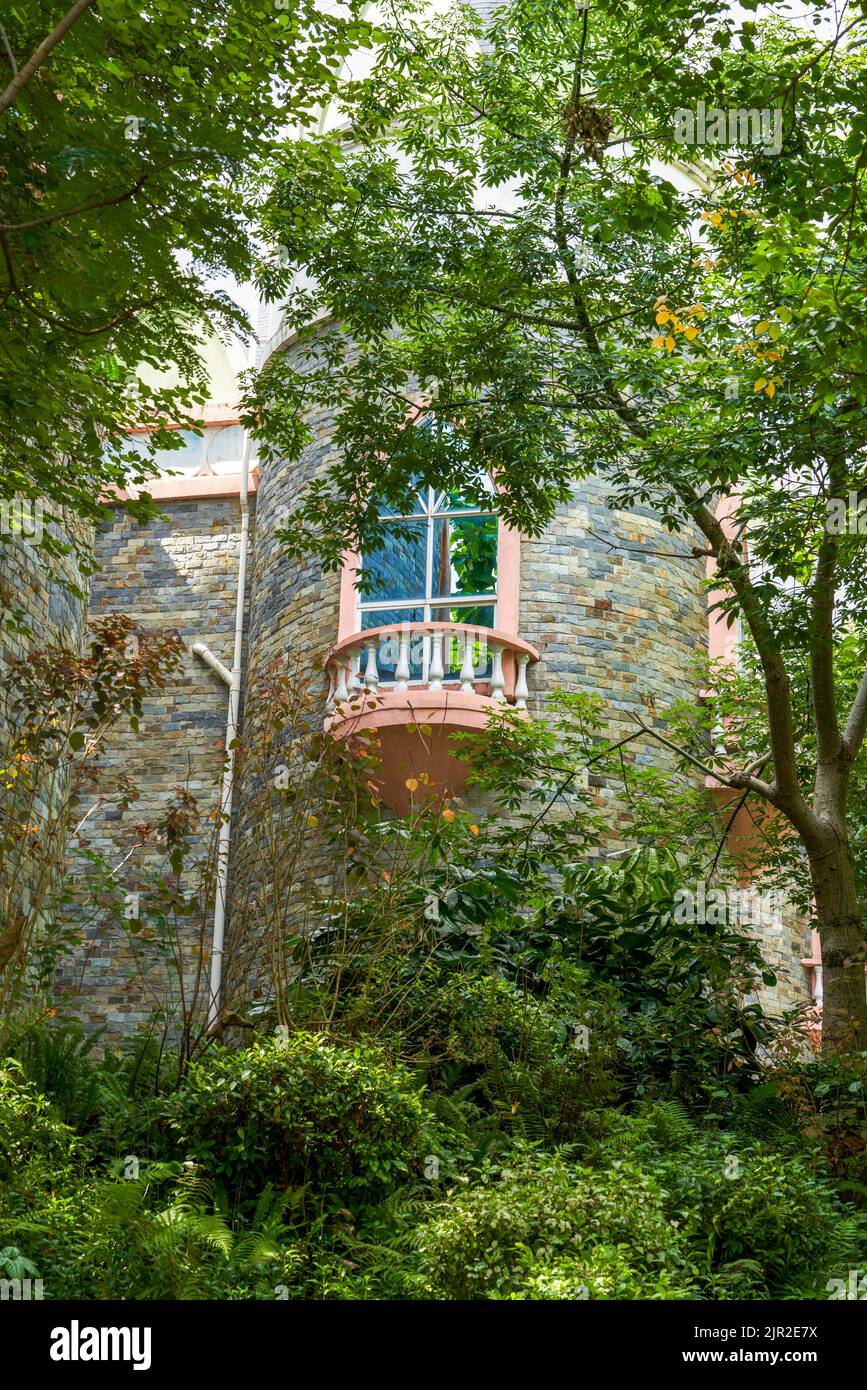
(506,239)
(133,141)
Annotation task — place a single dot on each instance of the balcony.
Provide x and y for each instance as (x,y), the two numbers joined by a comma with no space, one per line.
(416,684)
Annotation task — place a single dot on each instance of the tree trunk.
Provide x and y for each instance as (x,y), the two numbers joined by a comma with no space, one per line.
(841,932)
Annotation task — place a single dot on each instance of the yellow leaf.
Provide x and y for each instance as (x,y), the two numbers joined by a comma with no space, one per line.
(774,331)
(770,389)
(691,333)
(716,219)
(761,384)
(669,345)
(411,784)
(658,342)
(763,326)
(661,300)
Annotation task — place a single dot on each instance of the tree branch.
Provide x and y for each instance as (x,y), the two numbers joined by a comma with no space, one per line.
(785,792)
(23,76)
(856,724)
(731,567)
(7,48)
(74,212)
(738,780)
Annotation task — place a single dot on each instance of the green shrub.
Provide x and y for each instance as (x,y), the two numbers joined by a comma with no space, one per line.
(342,1122)
(516,1053)
(758,1217)
(546,1220)
(57,1057)
(603,1272)
(741,1200)
(29,1132)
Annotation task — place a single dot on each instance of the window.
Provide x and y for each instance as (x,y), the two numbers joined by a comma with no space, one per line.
(438,564)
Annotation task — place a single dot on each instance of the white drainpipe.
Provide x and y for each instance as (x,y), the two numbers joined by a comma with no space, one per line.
(233,680)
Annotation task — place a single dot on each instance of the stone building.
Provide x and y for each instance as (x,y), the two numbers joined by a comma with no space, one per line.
(604,601)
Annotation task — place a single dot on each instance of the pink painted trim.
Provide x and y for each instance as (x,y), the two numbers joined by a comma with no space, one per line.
(508,571)
(508,579)
(412,730)
(214,413)
(186,489)
(347,620)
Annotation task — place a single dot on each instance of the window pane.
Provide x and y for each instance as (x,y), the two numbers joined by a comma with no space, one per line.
(480,616)
(465,556)
(389,647)
(381,617)
(399,570)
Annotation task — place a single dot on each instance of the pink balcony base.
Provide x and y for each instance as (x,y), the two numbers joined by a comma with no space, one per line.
(408,751)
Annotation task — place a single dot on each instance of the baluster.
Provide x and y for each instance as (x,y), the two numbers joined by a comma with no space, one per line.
(521,689)
(435,674)
(401,671)
(371,670)
(467,686)
(329,703)
(354,678)
(498,680)
(341,694)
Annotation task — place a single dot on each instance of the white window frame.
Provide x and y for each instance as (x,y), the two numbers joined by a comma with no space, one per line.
(430,513)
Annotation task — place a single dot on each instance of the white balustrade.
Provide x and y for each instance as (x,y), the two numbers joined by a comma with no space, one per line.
(395,647)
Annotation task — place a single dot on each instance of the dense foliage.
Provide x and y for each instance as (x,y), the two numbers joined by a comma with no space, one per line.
(486,1064)
(308,1167)
(134,158)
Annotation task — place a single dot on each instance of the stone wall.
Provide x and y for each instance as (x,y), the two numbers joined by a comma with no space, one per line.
(616,607)
(177,574)
(38,594)
(43,607)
